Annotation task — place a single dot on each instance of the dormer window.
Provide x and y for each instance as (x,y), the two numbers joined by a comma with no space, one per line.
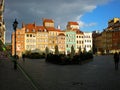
(33,30)
(27,30)
(40,29)
(45,30)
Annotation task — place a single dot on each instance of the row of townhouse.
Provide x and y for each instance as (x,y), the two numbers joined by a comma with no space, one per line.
(108,41)
(37,38)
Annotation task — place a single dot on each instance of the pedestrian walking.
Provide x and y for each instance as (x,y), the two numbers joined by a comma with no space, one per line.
(23,57)
(116,60)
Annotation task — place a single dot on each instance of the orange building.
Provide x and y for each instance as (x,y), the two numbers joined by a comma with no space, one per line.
(61,42)
(20,42)
(41,38)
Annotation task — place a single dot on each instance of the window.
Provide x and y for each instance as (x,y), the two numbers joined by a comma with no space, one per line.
(27,35)
(34,35)
(18,36)
(77,41)
(27,40)
(45,30)
(30,35)
(67,46)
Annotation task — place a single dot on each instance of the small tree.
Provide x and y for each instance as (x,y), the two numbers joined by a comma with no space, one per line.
(72,51)
(46,51)
(84,51)
(79,50)
(56,50)
(28,52)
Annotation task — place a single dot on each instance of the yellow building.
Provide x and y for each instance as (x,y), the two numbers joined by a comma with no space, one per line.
(80,41)
(30,37)
(2,24)
(41,38)
(52,33)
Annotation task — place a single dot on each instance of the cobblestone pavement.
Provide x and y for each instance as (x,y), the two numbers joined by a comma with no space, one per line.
(96,75)
(11,79)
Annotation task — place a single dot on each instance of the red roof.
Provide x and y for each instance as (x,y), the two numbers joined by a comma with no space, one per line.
(73,23)
(52,29)
(48,20)
(78,31)
(30,26)
(61,34)
(40,28)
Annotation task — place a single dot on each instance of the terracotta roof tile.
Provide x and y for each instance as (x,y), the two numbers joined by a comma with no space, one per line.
(40,29)
(30,26)
(48,20)
(78,31)
(73,23)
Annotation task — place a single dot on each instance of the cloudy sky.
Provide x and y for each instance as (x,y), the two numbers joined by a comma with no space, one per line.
(91,14)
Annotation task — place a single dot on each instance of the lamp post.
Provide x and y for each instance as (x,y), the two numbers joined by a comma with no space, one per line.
(15,23)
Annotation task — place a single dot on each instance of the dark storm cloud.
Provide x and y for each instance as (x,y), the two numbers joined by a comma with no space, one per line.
(61,11)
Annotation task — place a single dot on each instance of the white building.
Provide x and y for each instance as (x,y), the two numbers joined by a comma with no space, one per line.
(88,41)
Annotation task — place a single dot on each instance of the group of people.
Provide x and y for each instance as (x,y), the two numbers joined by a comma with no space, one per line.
(23,57)
(116,60)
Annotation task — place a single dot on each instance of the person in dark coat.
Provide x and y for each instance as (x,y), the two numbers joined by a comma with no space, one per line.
(23,57)
(116,60)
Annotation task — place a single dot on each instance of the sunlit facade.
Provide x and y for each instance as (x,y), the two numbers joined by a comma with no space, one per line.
(41,38)
(20,42)
(61,42)
(30,37)
(2,24)
(110,37)
(35,38)
(88,41)
(70,40)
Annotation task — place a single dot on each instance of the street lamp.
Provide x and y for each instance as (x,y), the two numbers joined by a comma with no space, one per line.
(15,23)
